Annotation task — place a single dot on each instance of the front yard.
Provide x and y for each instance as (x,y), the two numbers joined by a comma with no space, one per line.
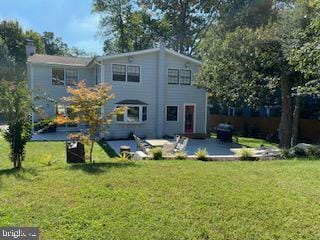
(159,199)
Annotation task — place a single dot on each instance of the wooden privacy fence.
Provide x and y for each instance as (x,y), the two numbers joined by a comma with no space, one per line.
(309,129)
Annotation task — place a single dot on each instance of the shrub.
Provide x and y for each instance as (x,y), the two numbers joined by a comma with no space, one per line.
(313,151)
(202,154)
(180,156)
(246,154)
(124,157)
(299,152)
(285,154)
(156,153)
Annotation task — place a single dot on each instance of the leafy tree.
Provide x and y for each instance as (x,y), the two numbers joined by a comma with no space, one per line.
(78,52)
(305,55)
(37,39)
(115,17)
(7,63)
(85,104)
(15,107)
(13,36)
(54,45)
(135,26)
(186,21)
(264,56)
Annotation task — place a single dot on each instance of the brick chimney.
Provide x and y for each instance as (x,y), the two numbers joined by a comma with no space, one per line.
(30,48)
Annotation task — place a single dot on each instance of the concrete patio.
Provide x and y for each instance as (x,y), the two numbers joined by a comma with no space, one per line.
(213,146)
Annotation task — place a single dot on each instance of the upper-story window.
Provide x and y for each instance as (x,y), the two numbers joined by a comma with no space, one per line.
(57,76)
(179,76)
(133,73)
(71,77)
(119,72)
(185,77)
(125,73)
(173,76)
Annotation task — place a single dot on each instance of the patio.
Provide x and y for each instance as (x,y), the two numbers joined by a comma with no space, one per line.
(213,146)
(55,136)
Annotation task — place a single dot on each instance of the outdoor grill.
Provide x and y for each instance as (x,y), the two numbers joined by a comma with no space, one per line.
(224,132)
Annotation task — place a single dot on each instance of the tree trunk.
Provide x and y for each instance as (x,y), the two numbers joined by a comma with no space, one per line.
(91,151)
(295,124)
(285,128)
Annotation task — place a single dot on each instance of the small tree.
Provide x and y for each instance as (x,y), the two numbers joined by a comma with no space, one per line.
(85,104)
(15,107)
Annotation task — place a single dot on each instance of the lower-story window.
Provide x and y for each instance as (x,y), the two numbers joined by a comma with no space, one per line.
(66,112)
(132,114)
(172,114)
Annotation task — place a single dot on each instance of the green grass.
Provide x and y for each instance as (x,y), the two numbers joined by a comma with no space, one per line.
(159,199)
(250,142)
(253,142)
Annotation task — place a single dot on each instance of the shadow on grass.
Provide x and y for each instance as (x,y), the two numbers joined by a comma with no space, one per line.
(107,149)
(21,173)
(98,168)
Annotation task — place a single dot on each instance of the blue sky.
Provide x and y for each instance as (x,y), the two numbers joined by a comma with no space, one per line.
(71,20)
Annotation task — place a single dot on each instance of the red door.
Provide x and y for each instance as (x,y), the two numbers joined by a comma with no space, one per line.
(189,118)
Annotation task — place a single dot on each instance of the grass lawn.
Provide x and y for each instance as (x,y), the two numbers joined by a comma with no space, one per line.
(159,199)
(254,142)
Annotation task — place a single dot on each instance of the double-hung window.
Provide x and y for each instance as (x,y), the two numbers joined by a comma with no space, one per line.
(132,114)
(119,72)
(71,77)
(185,77)
(57,76)
(133,73)
(125,73)
(179,76)
(172,114)
(173,76)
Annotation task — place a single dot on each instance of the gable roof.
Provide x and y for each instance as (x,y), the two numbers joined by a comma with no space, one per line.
(84,62)
(149,51)
(59,60)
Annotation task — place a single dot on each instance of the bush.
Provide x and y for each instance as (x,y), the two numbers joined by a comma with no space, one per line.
(124,157)
(285,154)
(180,156)
(156,153)
(313,151)
(202,154)
(246,154)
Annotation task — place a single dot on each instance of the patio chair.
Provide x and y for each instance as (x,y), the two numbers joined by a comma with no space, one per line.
(169,148)
(141,145)
(182,144)
(177,138)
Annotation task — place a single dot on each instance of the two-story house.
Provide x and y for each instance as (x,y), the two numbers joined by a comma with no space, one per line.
(155,85)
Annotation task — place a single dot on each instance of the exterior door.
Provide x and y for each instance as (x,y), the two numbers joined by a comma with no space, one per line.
(189,113)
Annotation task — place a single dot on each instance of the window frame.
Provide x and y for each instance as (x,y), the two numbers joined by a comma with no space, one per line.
(73,69)
(176,69)
(126,75)
(190,76)
(64,76)
(125,115)
(179,70)
(65,108)
(166,115)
